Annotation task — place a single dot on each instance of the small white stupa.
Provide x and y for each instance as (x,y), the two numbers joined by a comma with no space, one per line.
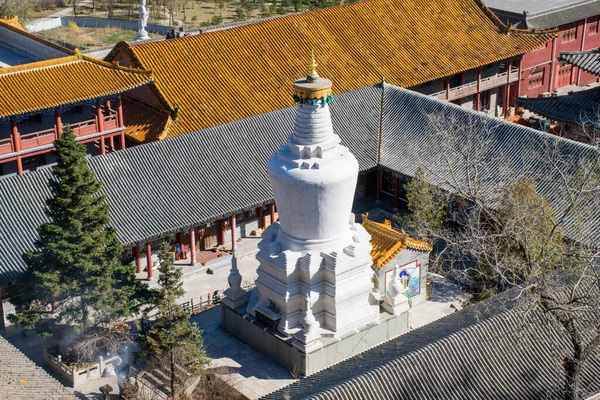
(314,278)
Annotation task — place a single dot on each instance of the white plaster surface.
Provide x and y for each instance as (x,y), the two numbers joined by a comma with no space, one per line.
(317,248)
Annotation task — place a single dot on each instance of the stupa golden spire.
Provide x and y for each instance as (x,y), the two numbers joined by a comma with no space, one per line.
(312,69)
(312,89)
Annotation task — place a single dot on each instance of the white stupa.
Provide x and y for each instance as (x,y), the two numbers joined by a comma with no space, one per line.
(315,265)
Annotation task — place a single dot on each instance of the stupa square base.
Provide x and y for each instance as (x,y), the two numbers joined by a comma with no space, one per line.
(281,349)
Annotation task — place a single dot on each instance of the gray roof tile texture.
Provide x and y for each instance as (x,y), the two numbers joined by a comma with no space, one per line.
(545,14)
(170,185)
(576,108)
(20,378)
(587,60)
(467,355)
(165,186)
(503,153)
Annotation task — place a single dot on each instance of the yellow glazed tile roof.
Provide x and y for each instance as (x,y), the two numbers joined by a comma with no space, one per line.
(144,122)
(222,76)
(14,21)
(47,84)
(388,243)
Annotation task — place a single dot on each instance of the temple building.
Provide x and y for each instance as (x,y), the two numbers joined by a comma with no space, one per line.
(221,193)
(456,51)
(576,113)
(40,98)
(542,69)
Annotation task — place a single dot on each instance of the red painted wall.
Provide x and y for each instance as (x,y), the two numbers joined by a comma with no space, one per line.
(542,58)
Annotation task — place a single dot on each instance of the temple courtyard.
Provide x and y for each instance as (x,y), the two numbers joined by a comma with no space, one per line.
(247,370)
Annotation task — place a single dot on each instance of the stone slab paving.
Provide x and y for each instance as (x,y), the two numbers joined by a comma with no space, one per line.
(249,371)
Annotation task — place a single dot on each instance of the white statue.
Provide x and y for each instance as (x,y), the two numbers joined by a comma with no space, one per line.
(142,34)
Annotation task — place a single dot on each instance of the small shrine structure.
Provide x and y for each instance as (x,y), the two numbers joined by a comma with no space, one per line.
(398,257)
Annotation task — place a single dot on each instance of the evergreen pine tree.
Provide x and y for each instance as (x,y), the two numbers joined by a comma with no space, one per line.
(172,339)
(76,277)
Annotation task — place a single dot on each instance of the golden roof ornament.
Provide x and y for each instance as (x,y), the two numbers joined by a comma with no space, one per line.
(313,89)
(312,74)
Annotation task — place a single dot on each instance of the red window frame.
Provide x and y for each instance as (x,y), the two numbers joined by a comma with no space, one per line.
(569,34)
(593,26)
(536,78)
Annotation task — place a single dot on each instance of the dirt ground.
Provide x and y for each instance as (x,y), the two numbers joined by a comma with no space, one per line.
(193,15)
(85,38)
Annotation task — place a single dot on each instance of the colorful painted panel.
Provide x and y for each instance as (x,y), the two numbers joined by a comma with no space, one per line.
(409,276)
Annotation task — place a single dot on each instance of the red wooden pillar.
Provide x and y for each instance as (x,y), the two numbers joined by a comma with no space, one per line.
(519,74)
(16,137)
(138,261)
(447,89)
(192,246)
(149,259)
(120,121)
(220,233)
(261,218)
(507,90)
(378,196)
(552,66)
(505,101)
(100,125)
(233,238)
(365,184)
(272,212)
(396,192)
(58,128)
(201,239)
(478,95)
(111,143)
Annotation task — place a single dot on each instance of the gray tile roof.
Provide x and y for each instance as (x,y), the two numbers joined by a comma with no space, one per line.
(20,378)
(166,186)
(169,185)
(467,355)
(500,153)
(545,14)
(587,60)
(576,108)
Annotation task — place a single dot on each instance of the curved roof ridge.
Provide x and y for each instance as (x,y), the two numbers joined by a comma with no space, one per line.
(555,9)
(115,65)
(38,64)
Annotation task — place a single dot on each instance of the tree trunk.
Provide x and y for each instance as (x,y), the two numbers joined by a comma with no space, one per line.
(172,373)
(572,367)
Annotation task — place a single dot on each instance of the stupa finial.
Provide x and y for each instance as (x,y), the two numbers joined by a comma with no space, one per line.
(312,69)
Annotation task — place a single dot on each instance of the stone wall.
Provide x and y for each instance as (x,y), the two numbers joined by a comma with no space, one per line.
(280,349)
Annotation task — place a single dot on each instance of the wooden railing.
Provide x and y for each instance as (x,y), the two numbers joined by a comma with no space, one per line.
(47,136)
(84,128)
(37,139)
(110,122)
(6,146)
(471,87)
